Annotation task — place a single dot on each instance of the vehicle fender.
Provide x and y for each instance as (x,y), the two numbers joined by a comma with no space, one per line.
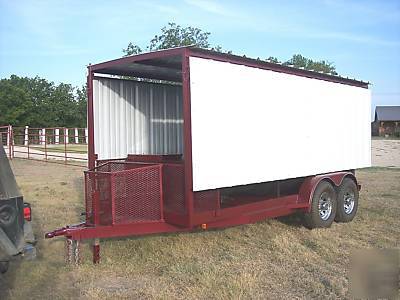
(309,185)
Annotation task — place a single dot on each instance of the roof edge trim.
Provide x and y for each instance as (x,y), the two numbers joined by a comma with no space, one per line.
(138,57)
(251,62)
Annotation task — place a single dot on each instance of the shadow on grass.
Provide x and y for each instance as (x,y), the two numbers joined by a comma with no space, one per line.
(78,184)
(294,220)
(8,281)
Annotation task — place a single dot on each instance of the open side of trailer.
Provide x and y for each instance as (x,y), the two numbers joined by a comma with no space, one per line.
(187,138)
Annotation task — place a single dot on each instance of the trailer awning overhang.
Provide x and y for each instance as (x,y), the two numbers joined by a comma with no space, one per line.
(167,65)
(159,65)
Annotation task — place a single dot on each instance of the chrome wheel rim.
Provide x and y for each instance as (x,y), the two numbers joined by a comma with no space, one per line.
(325,206)
(348,202)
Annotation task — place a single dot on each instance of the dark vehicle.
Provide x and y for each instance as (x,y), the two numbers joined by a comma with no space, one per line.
(16,236)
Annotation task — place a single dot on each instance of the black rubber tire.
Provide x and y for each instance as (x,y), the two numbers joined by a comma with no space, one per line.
(313,219)
(4,266)
(348,185)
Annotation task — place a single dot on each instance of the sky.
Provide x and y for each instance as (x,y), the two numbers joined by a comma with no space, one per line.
(57,39)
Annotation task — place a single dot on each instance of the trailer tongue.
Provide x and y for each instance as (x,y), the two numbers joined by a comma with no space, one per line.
(199,142)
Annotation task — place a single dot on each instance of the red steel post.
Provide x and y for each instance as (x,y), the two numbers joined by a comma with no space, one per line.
(90,123)
(65,146)
(161,168)
(45,144)
(96,206)
(28,144)
(112,196)
(187,137)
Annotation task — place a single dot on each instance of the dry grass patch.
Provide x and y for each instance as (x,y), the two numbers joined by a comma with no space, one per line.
(277,258)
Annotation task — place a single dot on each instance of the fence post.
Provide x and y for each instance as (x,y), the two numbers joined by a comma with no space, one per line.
(9,140)
(86,136)
(45,143)
(66,136)
(26,135)
(12,141)
(42,136)
(28,141)
(76,136)
(65,144)
(57,136)
(8,135)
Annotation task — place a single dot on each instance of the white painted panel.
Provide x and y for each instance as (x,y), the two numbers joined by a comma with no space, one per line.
(136,118)
(251,125)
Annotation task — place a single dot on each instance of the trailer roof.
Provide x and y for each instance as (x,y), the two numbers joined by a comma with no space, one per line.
(167,65)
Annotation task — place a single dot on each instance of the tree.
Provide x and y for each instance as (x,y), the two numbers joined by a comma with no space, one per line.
(172,36)
(14,104)
(299,61)
(132,49)
(175,36)
(273,59)
(39,103)
(81,106)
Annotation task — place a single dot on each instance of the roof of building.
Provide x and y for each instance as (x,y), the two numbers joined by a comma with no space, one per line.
(387,113)
(166,65)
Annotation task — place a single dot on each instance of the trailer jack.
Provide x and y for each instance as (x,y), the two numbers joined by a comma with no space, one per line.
(72,251)
(73,246)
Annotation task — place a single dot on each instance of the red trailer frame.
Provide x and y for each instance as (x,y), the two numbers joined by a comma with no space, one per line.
(167,201)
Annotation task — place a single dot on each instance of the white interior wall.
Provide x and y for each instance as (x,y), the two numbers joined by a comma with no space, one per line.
(251,125)
(136,118)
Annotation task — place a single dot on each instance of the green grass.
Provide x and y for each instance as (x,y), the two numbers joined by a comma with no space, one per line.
(61,148)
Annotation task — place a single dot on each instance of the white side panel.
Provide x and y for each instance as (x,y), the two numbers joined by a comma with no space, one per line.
(136,118)
(251,125)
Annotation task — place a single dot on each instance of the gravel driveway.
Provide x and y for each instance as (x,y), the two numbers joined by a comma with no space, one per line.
(386,153)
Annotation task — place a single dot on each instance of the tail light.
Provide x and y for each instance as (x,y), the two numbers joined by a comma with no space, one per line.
(27,212)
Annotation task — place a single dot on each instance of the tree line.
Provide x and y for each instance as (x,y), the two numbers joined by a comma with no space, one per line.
(38,102)
(174,35)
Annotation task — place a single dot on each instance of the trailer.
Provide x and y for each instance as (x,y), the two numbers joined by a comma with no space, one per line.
(190,139)
(16,235)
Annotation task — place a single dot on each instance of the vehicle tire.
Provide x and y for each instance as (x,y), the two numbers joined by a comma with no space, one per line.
(323,207)
(347,201)
(3,266)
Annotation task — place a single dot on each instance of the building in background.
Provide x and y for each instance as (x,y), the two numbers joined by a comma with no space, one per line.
(387,121)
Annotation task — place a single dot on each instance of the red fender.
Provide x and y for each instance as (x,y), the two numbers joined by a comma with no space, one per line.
(309,185)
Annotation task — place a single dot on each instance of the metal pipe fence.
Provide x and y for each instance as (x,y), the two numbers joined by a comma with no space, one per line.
(58,144)
(6,138)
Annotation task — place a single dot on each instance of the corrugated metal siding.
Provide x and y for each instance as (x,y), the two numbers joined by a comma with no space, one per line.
(136,118)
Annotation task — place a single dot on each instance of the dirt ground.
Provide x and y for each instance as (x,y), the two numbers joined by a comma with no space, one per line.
(53,152)
(386,153)
(276,258)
